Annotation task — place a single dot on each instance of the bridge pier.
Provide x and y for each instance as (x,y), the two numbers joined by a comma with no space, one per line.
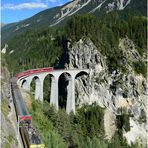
(54,92)
(41,92)
(71,95)
(29,79)
(39,89)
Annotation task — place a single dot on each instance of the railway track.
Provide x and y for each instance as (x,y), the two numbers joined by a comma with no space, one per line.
(29,135)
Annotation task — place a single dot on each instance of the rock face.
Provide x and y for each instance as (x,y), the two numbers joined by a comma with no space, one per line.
(8,116)
(113,91)
(109,124)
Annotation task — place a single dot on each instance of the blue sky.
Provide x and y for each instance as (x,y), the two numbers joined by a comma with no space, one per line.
(16,10)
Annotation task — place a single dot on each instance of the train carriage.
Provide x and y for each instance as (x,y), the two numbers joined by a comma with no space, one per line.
(30,137)
(33,71)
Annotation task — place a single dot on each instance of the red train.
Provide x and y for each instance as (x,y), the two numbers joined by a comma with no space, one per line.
(33,71)
(30,136)
(25,118)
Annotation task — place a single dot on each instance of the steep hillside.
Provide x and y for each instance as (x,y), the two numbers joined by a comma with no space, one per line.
(8,115)
(120,92)
(34,49)
(45,47)
(59,15)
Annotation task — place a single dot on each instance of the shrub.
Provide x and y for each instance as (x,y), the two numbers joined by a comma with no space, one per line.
(140,67)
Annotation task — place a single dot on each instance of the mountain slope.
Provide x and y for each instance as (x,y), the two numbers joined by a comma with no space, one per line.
(59,15)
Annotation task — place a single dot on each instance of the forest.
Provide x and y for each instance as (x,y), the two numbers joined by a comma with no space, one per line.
(85,129)
(44,47)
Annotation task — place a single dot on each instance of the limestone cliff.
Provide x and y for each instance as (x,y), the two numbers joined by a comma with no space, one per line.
(113,91)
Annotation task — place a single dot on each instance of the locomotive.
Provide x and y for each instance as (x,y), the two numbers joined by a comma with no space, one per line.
(29,135)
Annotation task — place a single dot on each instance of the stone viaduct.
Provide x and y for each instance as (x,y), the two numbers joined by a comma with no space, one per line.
(25,82)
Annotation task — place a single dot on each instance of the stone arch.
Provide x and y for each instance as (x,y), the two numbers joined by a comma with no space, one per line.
(48,81)
(37,86)
(65,73)
(64,88)
(24,84)
(81,84)
(81,73)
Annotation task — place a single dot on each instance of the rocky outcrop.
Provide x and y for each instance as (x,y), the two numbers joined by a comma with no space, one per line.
(113,91)
(137,131)
(109,124)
